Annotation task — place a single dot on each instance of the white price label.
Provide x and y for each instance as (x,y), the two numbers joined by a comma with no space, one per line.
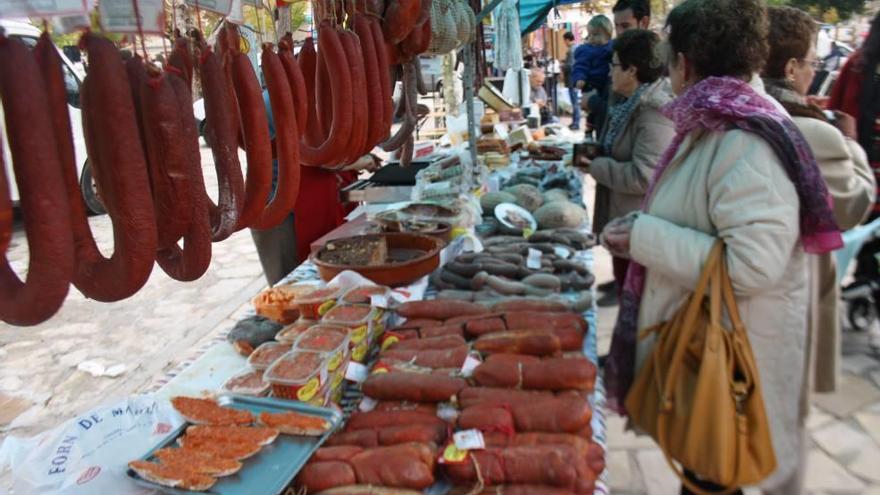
(469,440)
(118,16)
(379,301)
(41,8)
(470,363)
(70,23)
(236,14)
(221,7)
(562,252)
(356,372)
(368,404)
(534,259)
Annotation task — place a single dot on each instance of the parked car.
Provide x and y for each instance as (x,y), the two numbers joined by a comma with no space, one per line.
(73,77)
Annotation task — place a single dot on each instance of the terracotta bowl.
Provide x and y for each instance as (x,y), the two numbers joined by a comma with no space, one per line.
(421,255)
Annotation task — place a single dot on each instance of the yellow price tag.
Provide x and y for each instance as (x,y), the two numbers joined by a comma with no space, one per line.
(527,232)
(454,454)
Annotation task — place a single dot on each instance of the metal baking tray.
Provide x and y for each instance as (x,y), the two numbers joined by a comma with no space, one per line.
(274,467)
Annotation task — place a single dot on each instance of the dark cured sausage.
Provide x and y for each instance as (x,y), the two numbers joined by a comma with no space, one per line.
(228,46)
(384,78)
(120,171)
(375,92)
(192,261)
(333,53)
(286,142)
(255,126)
(296,80)
(181,59)
(167,159)
(222,134)
(44,202)
(443,342)
(360,104)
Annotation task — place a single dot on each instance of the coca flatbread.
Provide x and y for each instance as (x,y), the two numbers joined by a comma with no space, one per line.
(260,434)
(208,412)
(198,461)
(227,449)
(172,476)
(292,423)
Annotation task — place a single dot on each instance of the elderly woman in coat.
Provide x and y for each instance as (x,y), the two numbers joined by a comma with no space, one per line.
(738,171)
(788,73)
(635,134)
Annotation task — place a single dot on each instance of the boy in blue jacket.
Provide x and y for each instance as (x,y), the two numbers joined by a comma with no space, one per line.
(592,62)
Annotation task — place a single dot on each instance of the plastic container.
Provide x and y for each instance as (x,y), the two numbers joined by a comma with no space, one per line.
(249,382)
(290,333)
(328,339)
(298,375)
(357,318)
(266,354)
(362,294)
(315,304)
(279,303)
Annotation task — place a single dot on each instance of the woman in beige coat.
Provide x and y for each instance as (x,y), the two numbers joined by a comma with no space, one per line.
(636,133)
(788,73)
(738,170)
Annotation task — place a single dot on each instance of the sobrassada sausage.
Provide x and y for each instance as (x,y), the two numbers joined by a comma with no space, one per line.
(296,80)
(393,435)
(453,357)
(409,465)
(548,374)
(286,142)
(37,167)
(442,342)
(255,127)
(530,342)
(368,490)
(384,78)
(383,419)
(308,64)
(366,439)
(192,260)
(374,92)
(360,98)
(397,405)
(527,320)
(335,453)
(181,59)
(415,387)
(318,476)
(472,396)
(513,490)
(222,137)
(439,309)
(120,171)
(332,53)
(400,18)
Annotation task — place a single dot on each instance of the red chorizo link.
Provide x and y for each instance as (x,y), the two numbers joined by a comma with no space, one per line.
(375,92)
(324,95)
(308,63)
(255,127)
(167,159)
(120,171)
(415,387)
(334,54)
(192,261)
(222,137)
(286,142)
(400,18)
(228,46)
(296,80)
(44,203)
(360,109)
(408,102)
(384,78)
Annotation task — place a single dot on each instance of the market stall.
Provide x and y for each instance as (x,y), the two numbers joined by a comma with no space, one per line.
(445,343)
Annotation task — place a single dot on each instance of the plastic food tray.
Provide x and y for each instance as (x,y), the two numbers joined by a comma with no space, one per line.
(274,467)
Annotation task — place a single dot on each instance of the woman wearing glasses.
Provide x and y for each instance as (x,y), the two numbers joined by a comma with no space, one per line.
(790,68)
(635,133)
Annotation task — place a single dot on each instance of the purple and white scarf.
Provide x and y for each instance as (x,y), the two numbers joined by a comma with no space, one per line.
(719,104)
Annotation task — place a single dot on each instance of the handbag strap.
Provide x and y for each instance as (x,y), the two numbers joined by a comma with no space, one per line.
(688,324)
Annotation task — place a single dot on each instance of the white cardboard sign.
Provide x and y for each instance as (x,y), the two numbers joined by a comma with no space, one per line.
(222,7)
(40,8)
(118,16)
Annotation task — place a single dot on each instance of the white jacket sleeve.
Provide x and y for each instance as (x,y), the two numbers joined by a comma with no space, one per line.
(754,208)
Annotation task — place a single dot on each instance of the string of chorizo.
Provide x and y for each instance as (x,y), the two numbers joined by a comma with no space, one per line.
(385,78)
(222,137)
(308,64)
(44,204)
(120,171)
(286,142)
(375,92)
(360,100)
(296,80)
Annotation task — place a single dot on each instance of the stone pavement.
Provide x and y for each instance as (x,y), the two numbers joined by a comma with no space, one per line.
(92,352)
(844,427)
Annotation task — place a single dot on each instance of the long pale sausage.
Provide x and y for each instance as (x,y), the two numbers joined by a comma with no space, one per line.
(222,133)
(286,142)
(120,171)
(255,127)
(44,201)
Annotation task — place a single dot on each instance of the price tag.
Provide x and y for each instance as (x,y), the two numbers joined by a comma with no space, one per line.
(70,23)
(447,412)
(356,372)
(236,14)
(469,440)
(118,16)
(41,8)
(221,7)
(533,261)
(368,404)
(470,363)
(562,252)
(379,301)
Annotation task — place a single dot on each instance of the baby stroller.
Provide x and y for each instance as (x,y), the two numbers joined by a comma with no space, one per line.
(861,299)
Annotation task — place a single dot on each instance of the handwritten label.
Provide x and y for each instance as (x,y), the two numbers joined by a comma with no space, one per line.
(118,16)
(469,440)
(470,363)
(356,372)
(533,261)
(221,7)
(41,8)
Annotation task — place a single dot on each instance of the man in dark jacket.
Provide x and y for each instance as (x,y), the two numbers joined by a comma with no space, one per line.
(573,93)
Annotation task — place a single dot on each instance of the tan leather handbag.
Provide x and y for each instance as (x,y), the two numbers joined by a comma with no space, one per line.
(698,393)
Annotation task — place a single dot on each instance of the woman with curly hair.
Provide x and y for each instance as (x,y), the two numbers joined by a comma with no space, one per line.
(738,170)
(788,73)
(635,133)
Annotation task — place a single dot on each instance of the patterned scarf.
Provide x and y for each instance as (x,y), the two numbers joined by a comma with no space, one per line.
(719,104)
(619,115)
